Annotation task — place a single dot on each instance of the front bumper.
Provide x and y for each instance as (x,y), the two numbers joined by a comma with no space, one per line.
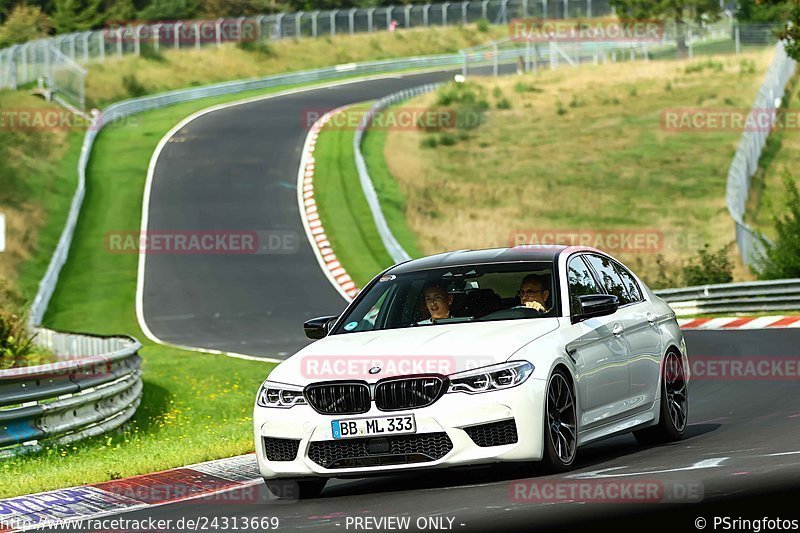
(449,416)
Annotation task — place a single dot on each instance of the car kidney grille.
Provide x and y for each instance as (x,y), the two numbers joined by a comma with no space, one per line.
(281,449)
(402,449)
(494,434)
(338,398)
(408,393)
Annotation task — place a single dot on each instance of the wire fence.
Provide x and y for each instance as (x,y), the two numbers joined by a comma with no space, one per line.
(25,63)
(751,144)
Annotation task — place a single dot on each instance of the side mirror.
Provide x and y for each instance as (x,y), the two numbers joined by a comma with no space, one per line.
(594,305)
(318,328)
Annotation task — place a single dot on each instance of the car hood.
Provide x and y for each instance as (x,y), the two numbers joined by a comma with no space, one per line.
(440,349)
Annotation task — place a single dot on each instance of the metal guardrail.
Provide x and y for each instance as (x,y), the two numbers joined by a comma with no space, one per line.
(395,249)
(749,297)
(94,387)
(745,161)
(27,62)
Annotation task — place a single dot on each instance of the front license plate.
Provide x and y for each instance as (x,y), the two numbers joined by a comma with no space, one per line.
(373,427)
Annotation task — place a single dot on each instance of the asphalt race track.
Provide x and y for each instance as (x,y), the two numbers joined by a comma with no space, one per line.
(743,440)
(236,168)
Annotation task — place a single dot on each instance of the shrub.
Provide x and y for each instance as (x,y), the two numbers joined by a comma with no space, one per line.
(15,341)
(522,87)
(503,103)
(133,86)
(263,48)
(781,258)
(147,51)
(708,268)
(24,23)
(447,139)
(429,142)
(483,25)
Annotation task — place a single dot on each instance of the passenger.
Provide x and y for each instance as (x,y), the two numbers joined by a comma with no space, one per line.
(437,301)
(532,293)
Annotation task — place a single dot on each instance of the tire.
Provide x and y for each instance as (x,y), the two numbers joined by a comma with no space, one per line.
(561,429)
(295,489)
(674,405)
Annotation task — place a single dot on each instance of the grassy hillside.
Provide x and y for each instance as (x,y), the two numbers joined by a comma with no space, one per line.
(580,149)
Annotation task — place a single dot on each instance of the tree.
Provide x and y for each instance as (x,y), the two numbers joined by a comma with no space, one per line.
(791,29)
(77,15)
(680,12)
(781,258)
(24,23)
(164,10)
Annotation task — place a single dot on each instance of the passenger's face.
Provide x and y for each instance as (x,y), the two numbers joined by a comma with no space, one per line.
(531,291)
(438,302)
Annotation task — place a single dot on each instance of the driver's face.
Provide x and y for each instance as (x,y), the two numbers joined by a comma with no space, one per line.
(531,291)
(438,302)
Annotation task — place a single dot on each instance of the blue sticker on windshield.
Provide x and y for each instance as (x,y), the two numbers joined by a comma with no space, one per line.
(351,326)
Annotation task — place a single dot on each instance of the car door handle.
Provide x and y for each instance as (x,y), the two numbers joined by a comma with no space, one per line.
(616,330)
(652,319)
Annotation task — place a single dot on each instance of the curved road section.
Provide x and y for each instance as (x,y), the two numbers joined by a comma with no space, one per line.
(229,178)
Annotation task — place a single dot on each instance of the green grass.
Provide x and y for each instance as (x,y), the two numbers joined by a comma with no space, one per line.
(343,209)
(195,406)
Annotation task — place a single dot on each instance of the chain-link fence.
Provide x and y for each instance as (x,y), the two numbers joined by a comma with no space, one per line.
(22,64)
(573,45)
(745,162)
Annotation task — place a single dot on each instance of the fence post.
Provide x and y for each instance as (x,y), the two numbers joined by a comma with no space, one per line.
(314,17)
(588,8)
(332,16)
(566,9)
(176,34)
(544,9)
(240,28)
(101,45)
(425,9)
(72,38)
(279,25)
(689,43)
(137,40)
(260,23)
(504,10)
(351,18)
(484,9)
(445,6)
(298,29)
(218,31)
(370,13)
(736,39)
(494,59)
(24,54)
(119,41)
(407,15)
(197,37)
(86,36)
(156,35)
(525,8)
(388,12)
(464,12)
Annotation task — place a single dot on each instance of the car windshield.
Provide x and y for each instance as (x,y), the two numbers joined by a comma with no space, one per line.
(452,295)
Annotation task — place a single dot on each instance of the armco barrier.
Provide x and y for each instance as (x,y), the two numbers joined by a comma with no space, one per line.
(750,297)
(95,386)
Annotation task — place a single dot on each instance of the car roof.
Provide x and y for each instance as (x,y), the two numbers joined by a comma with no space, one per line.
(523,253)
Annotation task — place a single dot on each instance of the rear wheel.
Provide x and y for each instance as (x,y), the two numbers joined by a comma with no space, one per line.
(561,427)
(295,489)
(674,404)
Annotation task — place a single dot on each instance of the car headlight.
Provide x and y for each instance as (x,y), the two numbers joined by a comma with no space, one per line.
(489,378)
(280,395)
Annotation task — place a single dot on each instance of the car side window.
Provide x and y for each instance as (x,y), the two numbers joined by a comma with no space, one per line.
(634,292)
(581,282)
(609,278)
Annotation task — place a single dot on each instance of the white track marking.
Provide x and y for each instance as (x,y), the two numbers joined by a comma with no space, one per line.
(700,465)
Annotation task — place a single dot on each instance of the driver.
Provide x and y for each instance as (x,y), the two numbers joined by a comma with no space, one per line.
(532,293)
(437,301)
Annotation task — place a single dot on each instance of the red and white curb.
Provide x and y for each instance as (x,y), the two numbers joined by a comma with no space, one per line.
(728,323)
(204,481)
(311,221)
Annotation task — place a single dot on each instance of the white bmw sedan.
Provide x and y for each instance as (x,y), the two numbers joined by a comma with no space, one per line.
(472,357)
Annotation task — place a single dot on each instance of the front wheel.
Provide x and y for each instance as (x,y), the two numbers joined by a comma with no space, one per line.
(561,426)
(674,405)
(295,489)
